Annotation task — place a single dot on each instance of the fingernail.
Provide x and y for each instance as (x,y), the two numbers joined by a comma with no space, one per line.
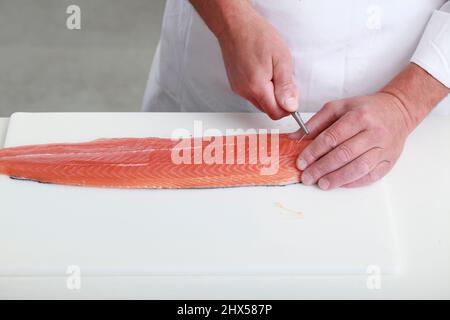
(307,179)
(301,164)
(324,184)
(291,103)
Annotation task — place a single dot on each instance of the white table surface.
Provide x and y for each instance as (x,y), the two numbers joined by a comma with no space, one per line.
(420,194)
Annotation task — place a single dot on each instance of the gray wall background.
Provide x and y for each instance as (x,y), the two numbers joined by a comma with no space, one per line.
(102,67)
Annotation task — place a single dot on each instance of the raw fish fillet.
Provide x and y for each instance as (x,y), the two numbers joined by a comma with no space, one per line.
(149,162)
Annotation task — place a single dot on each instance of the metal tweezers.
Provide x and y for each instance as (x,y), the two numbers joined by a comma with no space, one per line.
(300,122)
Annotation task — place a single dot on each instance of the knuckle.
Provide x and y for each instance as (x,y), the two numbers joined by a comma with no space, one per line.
(309,154)
(333,107)
(374,176)
(379,133)
(329,106)
(315,172)
(363,165)
(338,178)
(364,115)
(287,87)
(335,180)
(330,137)
(344,153)
(380,171)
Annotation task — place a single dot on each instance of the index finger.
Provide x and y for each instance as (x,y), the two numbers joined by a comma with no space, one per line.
(326,116)
(343,129)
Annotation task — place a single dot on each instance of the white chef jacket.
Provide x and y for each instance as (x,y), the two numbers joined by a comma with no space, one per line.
(340,48)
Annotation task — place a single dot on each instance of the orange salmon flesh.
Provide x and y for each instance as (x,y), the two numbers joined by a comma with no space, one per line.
(154,163)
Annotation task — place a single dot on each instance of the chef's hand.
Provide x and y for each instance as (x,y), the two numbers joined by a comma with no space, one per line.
(358,140)
(257,60)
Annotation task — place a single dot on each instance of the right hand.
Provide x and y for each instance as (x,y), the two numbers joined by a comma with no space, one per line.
(259,64)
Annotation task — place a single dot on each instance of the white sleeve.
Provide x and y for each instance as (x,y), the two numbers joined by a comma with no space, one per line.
(433,52)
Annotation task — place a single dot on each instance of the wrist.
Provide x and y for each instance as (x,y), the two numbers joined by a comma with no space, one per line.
(415,93)
(221,16)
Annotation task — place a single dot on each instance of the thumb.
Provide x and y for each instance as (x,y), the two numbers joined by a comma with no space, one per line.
(286,91)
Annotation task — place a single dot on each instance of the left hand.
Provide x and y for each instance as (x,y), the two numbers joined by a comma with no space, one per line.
(356,141)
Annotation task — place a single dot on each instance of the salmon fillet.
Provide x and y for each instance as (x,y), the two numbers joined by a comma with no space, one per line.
(221,161)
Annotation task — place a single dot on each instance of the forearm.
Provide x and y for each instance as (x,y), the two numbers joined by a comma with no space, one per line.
(220,15)
(418,93)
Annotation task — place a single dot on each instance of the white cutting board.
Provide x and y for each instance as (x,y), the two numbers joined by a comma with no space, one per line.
(46,228)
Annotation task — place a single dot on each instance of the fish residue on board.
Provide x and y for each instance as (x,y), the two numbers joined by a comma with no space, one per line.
(288,211)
